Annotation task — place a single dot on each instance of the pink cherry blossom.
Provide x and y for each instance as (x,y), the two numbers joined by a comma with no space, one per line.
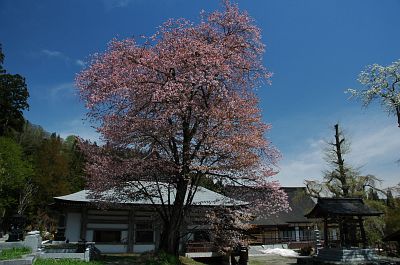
(179,108)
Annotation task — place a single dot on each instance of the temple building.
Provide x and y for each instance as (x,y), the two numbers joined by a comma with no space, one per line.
(132,226)
(344,235)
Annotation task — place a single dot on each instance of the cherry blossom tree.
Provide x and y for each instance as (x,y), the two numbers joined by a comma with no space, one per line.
(177,108)
(381,83)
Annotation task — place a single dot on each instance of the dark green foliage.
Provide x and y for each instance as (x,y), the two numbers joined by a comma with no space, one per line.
(51,174)
(57,172)
(1,59)
(44,165)
(372,195)
(76,163)
(13,100)
(60,164)
(390,201)
(375,225)
(31,138)
(392,217)
(163,258)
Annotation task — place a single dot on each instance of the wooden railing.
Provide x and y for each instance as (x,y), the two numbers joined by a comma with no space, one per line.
(199,247)
(262,239)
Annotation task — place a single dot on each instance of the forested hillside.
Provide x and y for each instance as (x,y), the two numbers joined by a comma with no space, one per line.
(35,165)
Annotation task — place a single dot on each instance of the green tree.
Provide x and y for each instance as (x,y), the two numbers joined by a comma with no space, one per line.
(13,99)
(76,163)
(392,220)
(392,216)
(51,171)
(390,201)
(375,225)
(58,169)
(15,171)
(31,138)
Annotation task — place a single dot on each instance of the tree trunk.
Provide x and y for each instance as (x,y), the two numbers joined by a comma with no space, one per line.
(340,161)
(169,240)
(171,231)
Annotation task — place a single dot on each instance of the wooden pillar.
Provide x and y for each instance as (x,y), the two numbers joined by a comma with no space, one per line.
(130,230)
(326,232)
(342,236)
(84,222)
(346,238)
(363,237)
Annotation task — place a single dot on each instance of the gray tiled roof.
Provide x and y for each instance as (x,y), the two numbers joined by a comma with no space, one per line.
(327,207)
(203,197)
(299,202)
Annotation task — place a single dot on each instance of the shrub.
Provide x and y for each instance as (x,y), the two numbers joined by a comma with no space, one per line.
(306,251)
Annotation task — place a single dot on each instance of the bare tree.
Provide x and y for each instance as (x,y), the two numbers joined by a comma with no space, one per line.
(341,180)
(25,197)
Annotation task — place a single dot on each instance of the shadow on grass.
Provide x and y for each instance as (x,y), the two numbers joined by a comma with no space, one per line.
(122,259)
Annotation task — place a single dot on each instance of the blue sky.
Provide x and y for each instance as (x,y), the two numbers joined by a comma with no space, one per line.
(315,49)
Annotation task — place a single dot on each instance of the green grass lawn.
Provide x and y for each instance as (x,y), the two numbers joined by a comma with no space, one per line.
(133,259)
(148,259)
(189,261)
(271,260)
(14,253)
(65,262)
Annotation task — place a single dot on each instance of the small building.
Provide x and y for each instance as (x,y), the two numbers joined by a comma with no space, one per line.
(132,226)
(345,217)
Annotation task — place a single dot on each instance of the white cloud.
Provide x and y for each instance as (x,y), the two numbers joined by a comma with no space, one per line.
(80,62)
(52,53)
(110,4)
(61,56)
(375,143)
(307,164)
(62,90)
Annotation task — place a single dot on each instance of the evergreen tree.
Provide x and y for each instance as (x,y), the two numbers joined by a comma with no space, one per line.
(76,163)
(51,171)
(13,100)
(390,202)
